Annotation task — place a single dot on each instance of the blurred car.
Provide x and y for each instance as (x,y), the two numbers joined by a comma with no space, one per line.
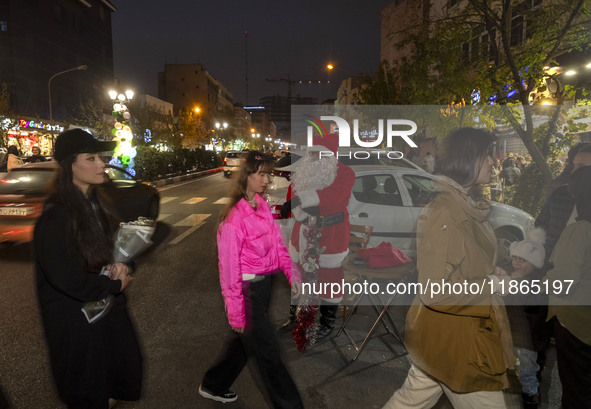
(24,190)
(233,161)
(391,198)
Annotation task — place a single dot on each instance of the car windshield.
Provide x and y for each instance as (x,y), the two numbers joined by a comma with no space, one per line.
(374,160)
(27,182)
(231,155)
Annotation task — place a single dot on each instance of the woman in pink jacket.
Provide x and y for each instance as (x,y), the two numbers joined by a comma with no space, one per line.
(250,250)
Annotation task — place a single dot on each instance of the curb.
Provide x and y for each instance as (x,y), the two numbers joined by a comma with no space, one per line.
(188,176)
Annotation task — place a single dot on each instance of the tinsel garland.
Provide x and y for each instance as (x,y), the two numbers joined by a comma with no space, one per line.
(304,332)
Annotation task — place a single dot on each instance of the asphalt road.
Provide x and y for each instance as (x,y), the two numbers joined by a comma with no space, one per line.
(177,308)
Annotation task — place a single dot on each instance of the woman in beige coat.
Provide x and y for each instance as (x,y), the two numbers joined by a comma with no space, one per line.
(13,159)
(459,344)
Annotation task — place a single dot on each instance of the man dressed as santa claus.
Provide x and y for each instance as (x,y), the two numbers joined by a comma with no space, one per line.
(321,188)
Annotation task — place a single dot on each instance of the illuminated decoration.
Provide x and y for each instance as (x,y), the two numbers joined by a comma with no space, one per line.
(148,136)
(39,125)
(475,96)
(124,153)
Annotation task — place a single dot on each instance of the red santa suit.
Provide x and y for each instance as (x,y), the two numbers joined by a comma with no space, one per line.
(333,223)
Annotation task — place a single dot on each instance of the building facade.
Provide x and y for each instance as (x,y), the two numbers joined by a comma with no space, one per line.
(41,38)
(190,86)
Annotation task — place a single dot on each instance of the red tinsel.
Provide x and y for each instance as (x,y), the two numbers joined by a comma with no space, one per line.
(304,332)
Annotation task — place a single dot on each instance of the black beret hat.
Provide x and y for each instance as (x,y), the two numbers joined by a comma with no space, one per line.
(75,141)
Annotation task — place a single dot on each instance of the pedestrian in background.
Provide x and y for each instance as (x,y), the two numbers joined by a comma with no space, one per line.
(429,163)
(36,156)
(527,313)
(459,345)
(13,158)
(572,327)
(94,364)
(250,250)
(559,209)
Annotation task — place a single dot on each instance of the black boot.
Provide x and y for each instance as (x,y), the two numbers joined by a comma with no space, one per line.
(530,401)
(328,316)
(289,325)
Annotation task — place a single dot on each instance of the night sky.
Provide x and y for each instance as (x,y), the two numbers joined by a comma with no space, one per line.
(299,37)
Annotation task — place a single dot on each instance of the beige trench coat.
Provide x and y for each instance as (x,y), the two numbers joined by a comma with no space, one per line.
(456,339)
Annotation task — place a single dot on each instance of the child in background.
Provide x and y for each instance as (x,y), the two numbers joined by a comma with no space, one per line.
(527,313)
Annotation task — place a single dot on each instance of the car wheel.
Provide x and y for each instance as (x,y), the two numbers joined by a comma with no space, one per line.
(505,236)
(154,208)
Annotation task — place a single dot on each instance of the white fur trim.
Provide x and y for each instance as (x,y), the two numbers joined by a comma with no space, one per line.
(299,214)
(309,198)
(333,260)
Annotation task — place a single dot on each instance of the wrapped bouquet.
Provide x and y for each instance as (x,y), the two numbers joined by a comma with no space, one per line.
(131,239)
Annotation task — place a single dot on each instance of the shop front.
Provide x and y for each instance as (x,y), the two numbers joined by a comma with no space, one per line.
(32,133)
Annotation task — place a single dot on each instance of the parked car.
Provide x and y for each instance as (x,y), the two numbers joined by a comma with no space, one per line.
(391,198)
(24,190)
(282,174)
(233,161)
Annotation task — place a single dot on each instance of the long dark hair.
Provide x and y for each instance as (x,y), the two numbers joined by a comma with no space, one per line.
(12,149)
(90,225)
(254,162)
(464,151)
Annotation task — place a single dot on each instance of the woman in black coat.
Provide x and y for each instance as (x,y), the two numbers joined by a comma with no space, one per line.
(93,364)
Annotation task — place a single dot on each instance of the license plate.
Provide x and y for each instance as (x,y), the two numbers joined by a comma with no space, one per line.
(16,211)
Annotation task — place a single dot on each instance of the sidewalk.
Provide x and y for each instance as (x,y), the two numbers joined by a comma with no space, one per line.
(328,378)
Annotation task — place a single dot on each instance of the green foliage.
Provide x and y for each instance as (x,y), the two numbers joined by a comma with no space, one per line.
(94,113)
(152,164)
(528,193)
(5,113)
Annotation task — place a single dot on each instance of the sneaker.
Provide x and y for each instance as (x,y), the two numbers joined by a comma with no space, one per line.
(530,401)
(226,397)
(324,331)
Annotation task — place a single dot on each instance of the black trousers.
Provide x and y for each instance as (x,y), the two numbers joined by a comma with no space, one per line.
(259,342)
(574,368)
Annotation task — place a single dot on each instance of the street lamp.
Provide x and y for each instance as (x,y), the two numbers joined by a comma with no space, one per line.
(80,67)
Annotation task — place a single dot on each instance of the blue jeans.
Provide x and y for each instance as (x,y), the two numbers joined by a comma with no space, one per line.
(528,368)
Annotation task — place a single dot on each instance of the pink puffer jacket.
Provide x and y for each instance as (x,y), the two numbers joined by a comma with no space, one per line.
(249,242)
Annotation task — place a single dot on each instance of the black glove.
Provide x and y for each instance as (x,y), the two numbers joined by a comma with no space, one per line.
(285,209)
(295,201)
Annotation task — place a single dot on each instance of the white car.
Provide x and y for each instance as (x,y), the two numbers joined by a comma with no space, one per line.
(391,198)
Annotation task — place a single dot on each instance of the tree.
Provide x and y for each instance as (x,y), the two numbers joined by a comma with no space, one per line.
(191,127)
(150,126)
(6,123)
(501,48)
(94,113)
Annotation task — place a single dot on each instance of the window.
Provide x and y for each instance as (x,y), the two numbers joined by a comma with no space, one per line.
(377,189)
(516,31)
(3,26)
(465,53)
(420,189)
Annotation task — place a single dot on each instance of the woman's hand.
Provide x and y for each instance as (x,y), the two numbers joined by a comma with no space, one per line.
(296,289)
(238,330)
(120,271)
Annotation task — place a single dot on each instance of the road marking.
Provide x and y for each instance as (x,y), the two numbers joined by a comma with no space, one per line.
(163,216)
(194,200)
(167,199)
(194,221)
(223,200)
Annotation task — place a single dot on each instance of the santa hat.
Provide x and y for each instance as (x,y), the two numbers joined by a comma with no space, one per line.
(328,142)
(532,248)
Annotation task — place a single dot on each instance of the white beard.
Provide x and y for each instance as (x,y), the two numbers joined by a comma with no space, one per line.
(313,174)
